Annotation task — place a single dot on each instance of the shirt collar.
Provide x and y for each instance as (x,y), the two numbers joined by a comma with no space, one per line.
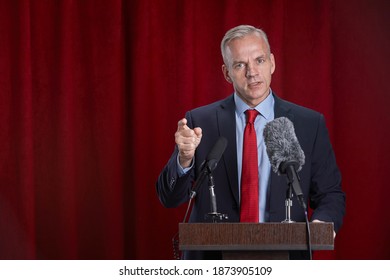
(265,108)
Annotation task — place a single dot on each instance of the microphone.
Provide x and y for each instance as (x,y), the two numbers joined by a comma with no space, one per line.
(284,152)
(211,162)
(215,154)
(205,169)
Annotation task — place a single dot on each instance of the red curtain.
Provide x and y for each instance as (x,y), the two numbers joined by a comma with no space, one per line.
(91,92)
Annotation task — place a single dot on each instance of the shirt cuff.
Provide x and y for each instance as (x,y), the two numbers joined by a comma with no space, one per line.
(182,171)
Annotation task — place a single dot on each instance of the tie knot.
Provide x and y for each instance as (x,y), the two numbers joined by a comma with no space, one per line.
(251,116)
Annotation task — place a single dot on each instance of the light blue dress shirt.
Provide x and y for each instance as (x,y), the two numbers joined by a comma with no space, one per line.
(266,110)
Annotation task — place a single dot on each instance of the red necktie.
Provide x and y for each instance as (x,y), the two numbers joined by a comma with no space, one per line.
(249,212)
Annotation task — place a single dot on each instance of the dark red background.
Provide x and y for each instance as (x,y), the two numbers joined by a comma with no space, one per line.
(91,92)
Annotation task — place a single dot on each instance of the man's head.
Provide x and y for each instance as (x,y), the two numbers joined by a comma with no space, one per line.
(248,63)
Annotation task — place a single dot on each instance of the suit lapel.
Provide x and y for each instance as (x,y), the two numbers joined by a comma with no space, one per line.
(282,109)
(225,118)
(277,194)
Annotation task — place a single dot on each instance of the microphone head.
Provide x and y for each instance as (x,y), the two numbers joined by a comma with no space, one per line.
(216,152)
(282,144)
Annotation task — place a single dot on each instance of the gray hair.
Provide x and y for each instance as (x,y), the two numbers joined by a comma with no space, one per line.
(240,32)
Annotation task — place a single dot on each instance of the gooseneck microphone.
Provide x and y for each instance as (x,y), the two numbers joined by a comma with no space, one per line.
(284,152)
(205,170)
(210,163)
(215,153)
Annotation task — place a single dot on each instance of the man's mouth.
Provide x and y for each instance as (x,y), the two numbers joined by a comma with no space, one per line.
(254,84)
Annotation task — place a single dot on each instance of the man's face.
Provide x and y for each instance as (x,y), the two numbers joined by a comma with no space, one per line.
(249,68)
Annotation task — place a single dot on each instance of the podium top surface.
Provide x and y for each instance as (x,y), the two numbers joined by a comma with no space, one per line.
(255,236)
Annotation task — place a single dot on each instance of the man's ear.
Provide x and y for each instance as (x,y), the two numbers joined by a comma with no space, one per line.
(225,72)
(273,67)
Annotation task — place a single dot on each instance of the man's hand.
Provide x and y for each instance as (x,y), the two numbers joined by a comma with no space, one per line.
(187,141)
(318,221)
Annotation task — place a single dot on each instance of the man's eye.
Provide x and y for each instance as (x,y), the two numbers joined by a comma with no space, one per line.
(239,65)
(261,60)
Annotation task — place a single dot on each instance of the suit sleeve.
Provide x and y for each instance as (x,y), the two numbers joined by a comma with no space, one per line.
(326,196)
(173,189)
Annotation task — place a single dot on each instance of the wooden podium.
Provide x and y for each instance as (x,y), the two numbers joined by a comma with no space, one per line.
(254,240)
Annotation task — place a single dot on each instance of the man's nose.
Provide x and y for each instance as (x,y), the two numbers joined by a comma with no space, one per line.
(251,71)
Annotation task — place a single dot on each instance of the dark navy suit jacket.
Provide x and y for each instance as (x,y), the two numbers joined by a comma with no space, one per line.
(320,176)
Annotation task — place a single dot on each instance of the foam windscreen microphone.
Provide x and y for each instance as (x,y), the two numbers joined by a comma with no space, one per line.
(282,145)
(284,152)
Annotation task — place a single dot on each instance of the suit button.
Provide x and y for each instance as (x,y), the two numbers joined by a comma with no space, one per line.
(172,182)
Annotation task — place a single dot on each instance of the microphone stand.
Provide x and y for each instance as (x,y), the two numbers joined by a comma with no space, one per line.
(214,215)
(288,204)
(293,183)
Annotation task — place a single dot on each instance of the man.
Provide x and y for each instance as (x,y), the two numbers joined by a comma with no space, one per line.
(248,66)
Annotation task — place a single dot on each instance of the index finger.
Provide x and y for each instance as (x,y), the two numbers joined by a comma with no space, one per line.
(182,124)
